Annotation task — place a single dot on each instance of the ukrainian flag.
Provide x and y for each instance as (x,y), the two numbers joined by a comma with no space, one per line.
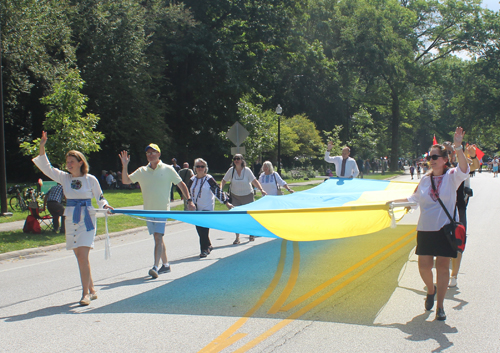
(337,208)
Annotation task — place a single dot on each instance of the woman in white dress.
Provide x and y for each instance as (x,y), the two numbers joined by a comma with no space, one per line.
(79,188)
(270,180)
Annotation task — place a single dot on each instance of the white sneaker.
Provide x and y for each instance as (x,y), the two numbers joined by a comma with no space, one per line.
(453,281)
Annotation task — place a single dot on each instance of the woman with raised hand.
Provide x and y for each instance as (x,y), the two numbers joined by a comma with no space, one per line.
(80,224)
(241,190)
(203,190)
(271,181)
(432,242)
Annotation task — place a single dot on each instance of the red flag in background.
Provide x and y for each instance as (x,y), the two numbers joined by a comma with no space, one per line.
(479,154)
(434,141)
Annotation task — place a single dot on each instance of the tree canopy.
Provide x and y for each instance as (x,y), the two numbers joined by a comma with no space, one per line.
(384,75)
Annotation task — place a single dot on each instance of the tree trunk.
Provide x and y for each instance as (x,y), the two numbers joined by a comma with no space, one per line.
(395,131)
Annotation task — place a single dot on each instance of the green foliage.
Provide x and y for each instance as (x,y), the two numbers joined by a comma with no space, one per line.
(309,142)
(365,135)
(67,128)
(177,74)
(333,136)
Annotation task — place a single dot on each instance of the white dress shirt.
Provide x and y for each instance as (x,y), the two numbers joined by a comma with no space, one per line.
(351,168)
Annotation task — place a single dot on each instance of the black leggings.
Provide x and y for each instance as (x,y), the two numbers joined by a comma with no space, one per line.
(204,239)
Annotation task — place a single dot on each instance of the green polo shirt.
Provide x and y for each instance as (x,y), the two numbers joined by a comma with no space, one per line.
(156,184)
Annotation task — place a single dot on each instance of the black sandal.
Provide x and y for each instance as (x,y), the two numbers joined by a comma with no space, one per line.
(429,301)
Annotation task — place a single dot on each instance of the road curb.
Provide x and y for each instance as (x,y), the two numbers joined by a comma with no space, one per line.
(26,252)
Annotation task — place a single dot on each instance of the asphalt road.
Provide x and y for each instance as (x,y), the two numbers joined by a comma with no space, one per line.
(361,294)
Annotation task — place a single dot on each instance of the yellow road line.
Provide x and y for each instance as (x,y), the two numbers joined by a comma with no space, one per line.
(342,274)
(220,342)
(317,302)
(292,280)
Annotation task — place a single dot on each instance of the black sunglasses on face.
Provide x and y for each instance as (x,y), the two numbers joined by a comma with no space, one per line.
(434,157)
(200,166)
(236,158)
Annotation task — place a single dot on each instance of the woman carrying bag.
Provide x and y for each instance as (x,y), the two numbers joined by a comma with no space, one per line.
(432,241)
(241,190)
(271,181)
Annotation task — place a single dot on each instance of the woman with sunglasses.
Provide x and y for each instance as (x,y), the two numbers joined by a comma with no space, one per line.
(241,190)
(204,189)
(431,239)
(80,223)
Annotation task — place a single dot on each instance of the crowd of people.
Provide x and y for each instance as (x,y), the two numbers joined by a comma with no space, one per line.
(445,179)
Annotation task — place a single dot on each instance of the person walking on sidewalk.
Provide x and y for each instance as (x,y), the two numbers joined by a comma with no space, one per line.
(156,179)
(345,166)
(80,224)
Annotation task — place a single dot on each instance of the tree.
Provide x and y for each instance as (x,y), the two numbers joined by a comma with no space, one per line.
(393,42)
(36,49)
(309,142)
(68,129)
(121,84)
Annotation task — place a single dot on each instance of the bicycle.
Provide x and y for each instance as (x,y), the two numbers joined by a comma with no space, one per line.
(21,200)
(17,202)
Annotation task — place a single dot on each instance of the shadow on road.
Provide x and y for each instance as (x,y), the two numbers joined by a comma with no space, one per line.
(354,288)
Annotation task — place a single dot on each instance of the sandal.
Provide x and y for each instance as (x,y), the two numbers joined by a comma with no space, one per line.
(251,238)
(237,241)
(85,300)
(429,300)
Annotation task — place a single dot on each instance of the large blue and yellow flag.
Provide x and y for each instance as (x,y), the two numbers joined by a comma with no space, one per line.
(337,208)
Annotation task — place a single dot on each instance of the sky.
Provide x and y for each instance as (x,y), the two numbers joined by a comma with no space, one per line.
(491,4)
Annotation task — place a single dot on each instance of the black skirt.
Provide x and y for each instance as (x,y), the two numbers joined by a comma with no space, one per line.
(434,244)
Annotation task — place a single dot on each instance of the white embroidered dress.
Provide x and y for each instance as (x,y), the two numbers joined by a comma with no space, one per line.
(84,187)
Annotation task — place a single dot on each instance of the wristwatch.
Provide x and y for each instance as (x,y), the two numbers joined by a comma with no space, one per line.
(189,200)
(458,148)
(473,157)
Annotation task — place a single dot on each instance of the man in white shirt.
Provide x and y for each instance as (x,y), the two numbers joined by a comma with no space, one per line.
(345,166)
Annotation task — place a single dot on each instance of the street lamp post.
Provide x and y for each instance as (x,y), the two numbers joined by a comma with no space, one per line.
(278,111)
(3,175)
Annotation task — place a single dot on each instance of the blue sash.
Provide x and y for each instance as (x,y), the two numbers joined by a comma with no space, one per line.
(77,204)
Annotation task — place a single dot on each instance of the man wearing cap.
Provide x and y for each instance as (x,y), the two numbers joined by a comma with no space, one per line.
(156,180)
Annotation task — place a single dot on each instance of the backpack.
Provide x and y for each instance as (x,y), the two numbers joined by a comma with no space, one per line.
(31,225)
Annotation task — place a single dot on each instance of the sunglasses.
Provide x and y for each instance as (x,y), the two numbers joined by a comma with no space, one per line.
(434,157)
(236,158)
(200,166)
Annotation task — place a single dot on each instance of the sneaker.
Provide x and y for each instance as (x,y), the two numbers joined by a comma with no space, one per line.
(453,281)
(164,269)
(153,273)
(440,315)
(204,253)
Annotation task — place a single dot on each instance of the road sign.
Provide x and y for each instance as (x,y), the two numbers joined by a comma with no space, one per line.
(237,134)
(237,150)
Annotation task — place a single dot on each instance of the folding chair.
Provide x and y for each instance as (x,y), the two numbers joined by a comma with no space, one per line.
(45,221)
